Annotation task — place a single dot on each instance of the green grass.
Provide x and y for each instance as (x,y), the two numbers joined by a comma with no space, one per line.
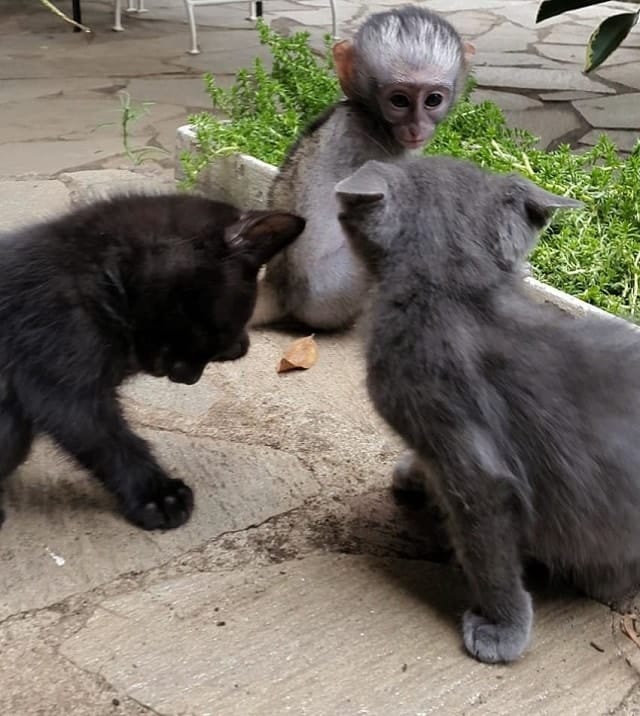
(593,254)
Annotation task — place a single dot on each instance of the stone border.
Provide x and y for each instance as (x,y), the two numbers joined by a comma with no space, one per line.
(244,180)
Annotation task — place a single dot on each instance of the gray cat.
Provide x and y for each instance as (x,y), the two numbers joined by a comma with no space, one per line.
(524,421)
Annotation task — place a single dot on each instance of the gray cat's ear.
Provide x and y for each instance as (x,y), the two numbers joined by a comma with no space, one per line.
(366,186)
(259,235)
(545,199)
(540,203)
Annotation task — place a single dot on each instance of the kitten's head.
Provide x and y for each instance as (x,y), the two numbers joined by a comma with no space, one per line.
(448,219)
(196,299)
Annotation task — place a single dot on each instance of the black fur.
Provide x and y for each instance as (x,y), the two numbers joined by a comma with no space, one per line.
(156,284)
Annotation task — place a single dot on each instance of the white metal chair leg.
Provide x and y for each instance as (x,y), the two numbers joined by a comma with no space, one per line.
(334,20)
(195,50)
(140,8)
(117,23)
(252,11)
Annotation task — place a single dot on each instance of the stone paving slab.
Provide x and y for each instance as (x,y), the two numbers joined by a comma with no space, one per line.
(624,139)
(619,112)
(539,79)
(546,123)
(339,635)
(31,200)
(62,535)
(628,75)
(85,186)
(149,61)
(48,157)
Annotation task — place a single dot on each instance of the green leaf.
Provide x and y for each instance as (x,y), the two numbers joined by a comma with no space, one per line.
(607,37)
(551,8)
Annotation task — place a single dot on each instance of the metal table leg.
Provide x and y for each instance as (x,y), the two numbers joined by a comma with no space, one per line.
(77,14)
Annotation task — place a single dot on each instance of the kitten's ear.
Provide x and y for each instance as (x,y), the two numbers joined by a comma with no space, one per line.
(366,186)
(540,203)
(262,234)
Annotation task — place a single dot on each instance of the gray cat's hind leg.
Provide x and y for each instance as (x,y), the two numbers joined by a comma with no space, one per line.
(408,480)
(410,489)
(486,516)
(613,586)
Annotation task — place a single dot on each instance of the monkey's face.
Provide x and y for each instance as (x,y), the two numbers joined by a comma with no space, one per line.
(414,109)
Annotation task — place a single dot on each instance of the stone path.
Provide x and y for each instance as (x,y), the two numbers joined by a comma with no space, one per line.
(298,587)
(59,101)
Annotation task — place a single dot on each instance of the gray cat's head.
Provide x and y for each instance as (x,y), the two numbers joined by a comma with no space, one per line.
(448,219)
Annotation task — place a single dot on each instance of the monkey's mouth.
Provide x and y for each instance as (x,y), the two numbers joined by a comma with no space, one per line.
(413,143)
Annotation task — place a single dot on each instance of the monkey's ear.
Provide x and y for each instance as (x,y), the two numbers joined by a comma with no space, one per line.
(343,59)
(469,51)
(259,235)
(365,186)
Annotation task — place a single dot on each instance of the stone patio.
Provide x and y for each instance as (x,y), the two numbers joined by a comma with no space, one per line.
(298,587)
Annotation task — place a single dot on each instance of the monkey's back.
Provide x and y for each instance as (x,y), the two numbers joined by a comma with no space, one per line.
(318,279)
(332,146)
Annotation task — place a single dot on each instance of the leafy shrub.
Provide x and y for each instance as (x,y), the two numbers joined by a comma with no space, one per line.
(593,254)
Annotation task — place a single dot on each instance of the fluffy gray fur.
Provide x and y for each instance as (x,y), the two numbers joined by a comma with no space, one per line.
(398,43)
(318,281)
(524,421)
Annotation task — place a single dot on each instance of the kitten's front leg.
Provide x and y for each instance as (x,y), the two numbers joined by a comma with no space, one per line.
(94,431)
(16,435)
(486,514)
(237,350)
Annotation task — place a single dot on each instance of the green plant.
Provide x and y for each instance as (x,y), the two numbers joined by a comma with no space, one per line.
(593,254)
(130,113)
(606,38)
(265,109)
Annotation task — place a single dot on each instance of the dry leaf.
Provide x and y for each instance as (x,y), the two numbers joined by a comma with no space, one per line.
(628,626)
(301,354)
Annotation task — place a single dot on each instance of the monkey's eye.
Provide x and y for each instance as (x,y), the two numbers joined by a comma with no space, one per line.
(433,100)
(399,101)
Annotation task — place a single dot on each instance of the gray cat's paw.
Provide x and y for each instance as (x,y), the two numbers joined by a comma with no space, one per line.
(408,476)
(494,643)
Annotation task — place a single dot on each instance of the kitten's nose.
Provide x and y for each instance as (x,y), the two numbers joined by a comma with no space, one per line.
(181,372)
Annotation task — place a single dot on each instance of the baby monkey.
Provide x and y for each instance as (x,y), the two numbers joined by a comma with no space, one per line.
(401,75)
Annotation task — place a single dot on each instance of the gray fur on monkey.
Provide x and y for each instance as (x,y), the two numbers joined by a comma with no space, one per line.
(401,75)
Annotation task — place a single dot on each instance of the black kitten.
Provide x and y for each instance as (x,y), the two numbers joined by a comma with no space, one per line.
(524,421)
(157,284)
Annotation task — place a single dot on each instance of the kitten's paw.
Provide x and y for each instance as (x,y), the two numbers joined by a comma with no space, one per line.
(408,481)
(170,506)
(236,351)
(494,643)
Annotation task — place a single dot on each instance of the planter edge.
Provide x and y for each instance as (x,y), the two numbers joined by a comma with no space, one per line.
(244,180)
